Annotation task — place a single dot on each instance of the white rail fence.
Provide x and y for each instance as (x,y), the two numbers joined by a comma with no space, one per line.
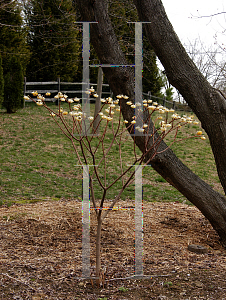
(74,89)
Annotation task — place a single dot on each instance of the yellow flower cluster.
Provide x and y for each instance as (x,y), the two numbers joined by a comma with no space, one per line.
(61,96)
(199,133)
(112,106)
(165,126)
(35,94)
(122,96)
(150,105)
(141,129)
(39,102)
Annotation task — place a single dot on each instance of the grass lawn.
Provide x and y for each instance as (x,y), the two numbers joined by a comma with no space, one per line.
(37,162)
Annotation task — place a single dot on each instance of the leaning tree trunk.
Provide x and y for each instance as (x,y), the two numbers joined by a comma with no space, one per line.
(202,99)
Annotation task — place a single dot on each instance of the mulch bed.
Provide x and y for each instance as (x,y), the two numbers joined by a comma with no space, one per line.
(41,253)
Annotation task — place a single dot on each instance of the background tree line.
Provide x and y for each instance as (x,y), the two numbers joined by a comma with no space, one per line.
(42,41)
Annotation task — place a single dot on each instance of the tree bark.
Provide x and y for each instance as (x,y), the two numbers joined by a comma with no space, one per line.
(206,102)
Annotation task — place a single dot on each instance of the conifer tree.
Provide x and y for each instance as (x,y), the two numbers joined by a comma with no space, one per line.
(14,52)
(13,85)
(169,94)
(52,39)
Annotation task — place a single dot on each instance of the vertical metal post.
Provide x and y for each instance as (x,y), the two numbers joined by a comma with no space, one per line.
(138,62)
(85,80)
(138,74)
(138,222)
(85,224)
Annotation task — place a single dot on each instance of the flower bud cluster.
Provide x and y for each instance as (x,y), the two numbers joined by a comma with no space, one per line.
(167,125)
(110,106)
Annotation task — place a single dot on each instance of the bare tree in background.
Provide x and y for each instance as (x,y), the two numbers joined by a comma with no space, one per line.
(210,62)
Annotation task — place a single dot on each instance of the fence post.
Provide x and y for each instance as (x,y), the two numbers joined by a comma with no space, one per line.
(173,104)
(58,80)
(164,101)
(149,94)
(25,88)
(58,88)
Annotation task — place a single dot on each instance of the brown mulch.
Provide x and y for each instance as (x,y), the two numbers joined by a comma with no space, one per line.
(41,253)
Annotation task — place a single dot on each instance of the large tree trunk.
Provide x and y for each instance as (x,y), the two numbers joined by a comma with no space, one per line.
(205,101)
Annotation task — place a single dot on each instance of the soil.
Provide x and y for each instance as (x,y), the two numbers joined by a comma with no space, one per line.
(41,254)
